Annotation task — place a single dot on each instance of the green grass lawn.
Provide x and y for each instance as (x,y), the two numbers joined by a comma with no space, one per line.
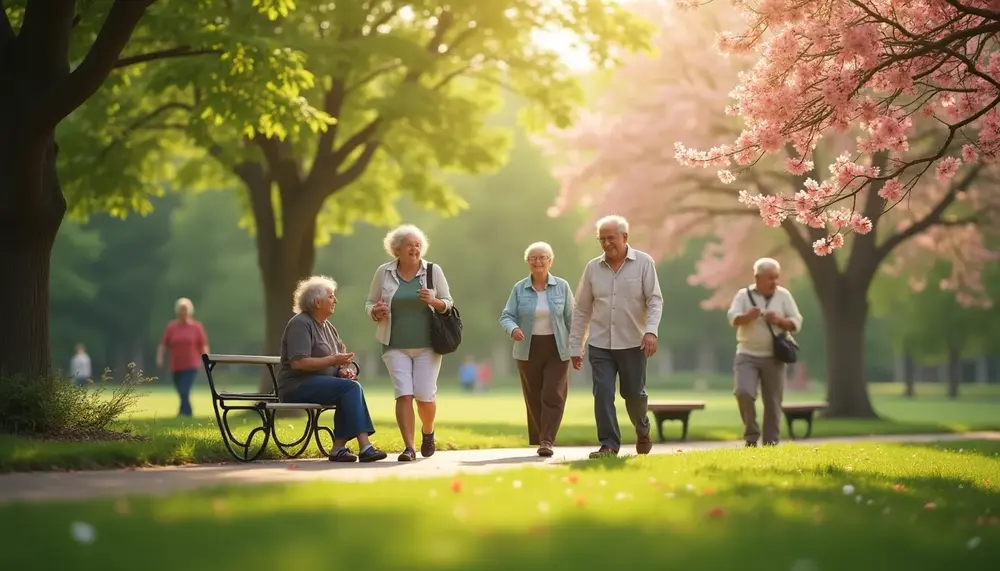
(478,420)
(907,508)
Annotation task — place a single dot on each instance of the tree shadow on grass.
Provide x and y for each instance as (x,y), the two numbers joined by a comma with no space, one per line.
(750,526)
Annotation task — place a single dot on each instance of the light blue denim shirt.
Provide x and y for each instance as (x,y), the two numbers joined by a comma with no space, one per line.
(520,313)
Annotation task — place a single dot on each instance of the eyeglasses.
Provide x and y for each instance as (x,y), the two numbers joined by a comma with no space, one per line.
(533,259)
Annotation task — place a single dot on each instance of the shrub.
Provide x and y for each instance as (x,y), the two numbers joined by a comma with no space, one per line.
(53,407)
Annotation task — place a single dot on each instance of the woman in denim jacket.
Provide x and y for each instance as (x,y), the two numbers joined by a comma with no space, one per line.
(537,317)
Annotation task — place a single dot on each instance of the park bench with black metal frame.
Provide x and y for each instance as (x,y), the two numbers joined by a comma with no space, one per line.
(673,410)
(801,411)
(265,406)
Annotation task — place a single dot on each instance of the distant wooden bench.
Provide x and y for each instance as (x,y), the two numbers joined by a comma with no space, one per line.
(674,410)
(801,411)
(265,405)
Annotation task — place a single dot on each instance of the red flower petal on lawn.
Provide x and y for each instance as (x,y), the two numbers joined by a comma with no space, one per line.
(581,501)
(930,506)
(899,487)
(717,512)
(456,486)
(573,478)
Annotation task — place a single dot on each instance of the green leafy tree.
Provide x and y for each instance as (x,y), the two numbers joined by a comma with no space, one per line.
(54,56)
(372,101)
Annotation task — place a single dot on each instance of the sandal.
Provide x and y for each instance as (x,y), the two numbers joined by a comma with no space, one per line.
(343,455)
(372,454)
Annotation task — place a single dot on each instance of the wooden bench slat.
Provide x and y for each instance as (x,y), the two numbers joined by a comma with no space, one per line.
(245,359)
(248,396)
(676,405)
(295,405)
(804,406)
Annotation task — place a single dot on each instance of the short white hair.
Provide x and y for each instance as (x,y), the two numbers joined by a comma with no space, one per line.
(543,246)
(615,219)
(183,302)
(765,264)
(311,290)
(393,241)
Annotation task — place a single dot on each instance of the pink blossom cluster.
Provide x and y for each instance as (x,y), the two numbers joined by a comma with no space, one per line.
(864,66)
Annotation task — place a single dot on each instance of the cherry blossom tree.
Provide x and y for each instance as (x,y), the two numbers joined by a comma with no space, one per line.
(620,157)
(826,66)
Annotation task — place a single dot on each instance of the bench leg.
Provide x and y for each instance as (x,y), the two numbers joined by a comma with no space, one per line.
(791,430)
(320,429)
(659,426)
(809,426)
(682,417)
(296,448)
(684,423)
(242,450)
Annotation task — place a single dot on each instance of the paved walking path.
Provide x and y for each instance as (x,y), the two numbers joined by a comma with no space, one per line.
(39,486)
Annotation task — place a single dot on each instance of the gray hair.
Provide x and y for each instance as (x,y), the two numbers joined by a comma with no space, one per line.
(765,264)
(543,246)
(615,219)
(183,302)
(310,291)
(393,241)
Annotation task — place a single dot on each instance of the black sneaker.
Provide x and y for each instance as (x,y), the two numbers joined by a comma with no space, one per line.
(751,443)
(408,455)
(427,447)
(343,455)
(372,455)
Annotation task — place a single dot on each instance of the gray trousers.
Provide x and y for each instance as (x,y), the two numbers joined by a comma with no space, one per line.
(769,374)
(629,365)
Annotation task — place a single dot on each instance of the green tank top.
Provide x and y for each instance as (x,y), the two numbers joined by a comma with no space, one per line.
(411,327)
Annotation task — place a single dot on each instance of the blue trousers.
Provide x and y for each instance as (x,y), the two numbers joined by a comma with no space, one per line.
(183,380)
(351,417)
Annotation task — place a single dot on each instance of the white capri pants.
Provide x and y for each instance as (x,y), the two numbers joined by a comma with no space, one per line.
(414,372)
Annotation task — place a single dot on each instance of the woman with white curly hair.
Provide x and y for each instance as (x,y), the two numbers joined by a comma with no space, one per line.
(398,301)
(315,368)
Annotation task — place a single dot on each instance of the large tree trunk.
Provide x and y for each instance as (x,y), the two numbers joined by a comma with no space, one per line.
(844,319)
(280,273)
(954,371)
(909,375)
(29,222)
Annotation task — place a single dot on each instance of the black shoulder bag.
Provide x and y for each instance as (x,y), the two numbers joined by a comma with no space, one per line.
(785,348)
(446,328)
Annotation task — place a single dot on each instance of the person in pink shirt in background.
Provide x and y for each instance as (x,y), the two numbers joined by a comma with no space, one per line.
(186,340)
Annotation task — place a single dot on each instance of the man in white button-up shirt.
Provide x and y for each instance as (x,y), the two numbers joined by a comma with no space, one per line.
(619,300)
(753,308)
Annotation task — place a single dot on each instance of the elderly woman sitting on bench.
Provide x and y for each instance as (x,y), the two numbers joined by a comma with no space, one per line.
(315,368)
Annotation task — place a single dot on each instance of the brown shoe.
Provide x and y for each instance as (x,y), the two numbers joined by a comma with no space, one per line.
(545,450)
(643,444)
(604,452)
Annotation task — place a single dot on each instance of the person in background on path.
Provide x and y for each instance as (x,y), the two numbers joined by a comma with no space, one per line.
(484,376)
(398,300)
(619,301)
(754,364)
(537,317)
(185,339)
(468,373)
(316,368)
(79,366)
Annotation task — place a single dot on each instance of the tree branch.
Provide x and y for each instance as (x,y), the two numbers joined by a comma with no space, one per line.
(140,122)
(357,168)
(933,217)
(180,51)
(6,31)
(44,38)
(87,78)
